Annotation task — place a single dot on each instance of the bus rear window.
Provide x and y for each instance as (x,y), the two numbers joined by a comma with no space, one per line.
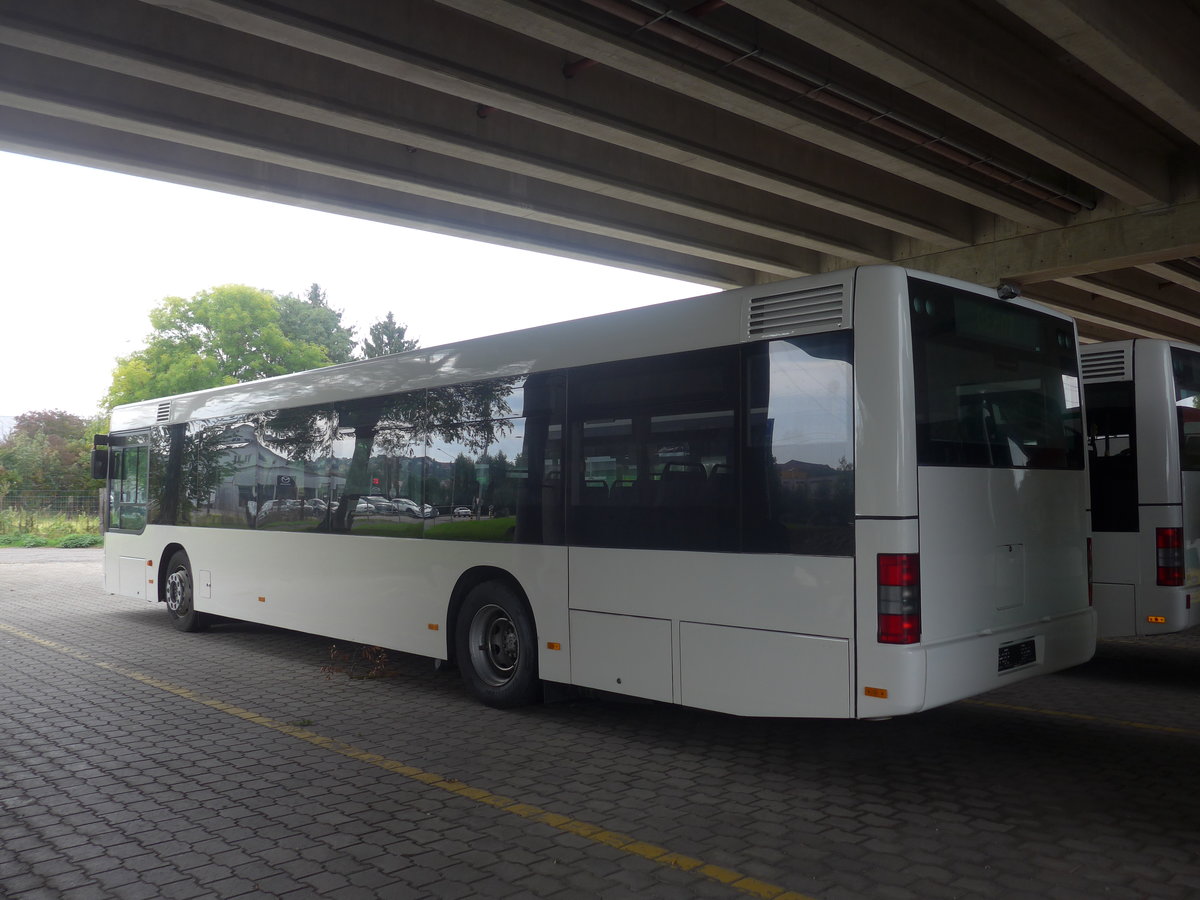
(1186,367)
(997,385)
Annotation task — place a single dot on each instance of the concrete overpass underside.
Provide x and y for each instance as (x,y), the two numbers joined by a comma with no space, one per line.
(1050,143)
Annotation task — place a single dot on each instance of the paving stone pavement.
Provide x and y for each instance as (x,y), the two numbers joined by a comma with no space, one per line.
(138,762)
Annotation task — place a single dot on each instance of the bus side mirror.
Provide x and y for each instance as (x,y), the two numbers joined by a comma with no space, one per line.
(100,464)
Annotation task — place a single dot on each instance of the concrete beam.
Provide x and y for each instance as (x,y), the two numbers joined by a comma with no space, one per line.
(1173,275)
(1096,311)
(550,208)
(1128,288)
(447,58)
(1148,53)
(932,50)
(1133,239)
(866,245)
(651,67)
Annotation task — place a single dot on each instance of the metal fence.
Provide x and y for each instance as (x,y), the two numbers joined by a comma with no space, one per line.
(66,503)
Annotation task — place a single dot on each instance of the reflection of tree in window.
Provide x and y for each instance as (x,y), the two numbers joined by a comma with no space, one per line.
(391,427)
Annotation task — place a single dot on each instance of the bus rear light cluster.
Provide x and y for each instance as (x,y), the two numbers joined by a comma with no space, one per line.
(899,579)
(1168,552)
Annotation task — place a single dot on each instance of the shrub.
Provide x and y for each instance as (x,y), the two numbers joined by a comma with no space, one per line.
(72,541)
(30,540)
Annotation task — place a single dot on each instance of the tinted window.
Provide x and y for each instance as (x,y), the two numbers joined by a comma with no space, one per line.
(490,476)
(378,460)
(997,385)
(740,448)
(654,448)
(799,491)
(1112,455)
(1186,365)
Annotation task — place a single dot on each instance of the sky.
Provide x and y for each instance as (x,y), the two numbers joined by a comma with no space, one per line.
(86,254)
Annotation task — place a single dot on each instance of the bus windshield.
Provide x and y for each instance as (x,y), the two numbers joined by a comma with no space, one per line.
(997,385)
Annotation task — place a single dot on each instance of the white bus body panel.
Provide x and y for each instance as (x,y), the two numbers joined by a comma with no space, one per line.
(1003,560)
(724,622)
(1002,551)
(388,591)
(1126,592)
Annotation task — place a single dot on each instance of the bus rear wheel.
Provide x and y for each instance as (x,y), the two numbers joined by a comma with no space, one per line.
(179,593)
(497,647)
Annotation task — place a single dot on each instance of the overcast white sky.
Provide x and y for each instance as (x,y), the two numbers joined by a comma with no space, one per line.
(86,254)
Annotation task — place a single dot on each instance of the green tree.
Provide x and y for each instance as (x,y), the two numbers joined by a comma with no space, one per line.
(48,450)
(312,320)
(220,336)
(385,337)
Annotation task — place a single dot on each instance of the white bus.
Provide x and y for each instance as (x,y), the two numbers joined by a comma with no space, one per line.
(857,494)
(1144,448)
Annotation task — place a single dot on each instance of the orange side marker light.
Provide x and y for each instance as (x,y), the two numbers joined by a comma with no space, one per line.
(881,693)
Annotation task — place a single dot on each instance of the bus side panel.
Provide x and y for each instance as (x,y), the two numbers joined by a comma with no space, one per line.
(1157,429)
(1117,569)
(764,673)
(777,604)
(126,572)
(387,592)
(885,454)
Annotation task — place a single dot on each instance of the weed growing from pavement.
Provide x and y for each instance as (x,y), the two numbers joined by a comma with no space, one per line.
(358,661)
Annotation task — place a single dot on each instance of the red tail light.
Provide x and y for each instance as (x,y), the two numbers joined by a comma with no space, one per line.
(1168,546)
(899,578)
(1091,598)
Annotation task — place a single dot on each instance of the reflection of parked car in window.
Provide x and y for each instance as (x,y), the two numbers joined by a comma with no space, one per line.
(462,512)
(363,508)
(275,509)
(408,507)
(380,504)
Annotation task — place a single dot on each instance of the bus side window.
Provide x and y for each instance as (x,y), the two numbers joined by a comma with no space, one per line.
(645,435)
(1112,455)
(799,485)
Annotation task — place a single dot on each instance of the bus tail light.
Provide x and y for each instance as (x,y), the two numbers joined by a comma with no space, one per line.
(1168,552)
(899,598)
(1091,593)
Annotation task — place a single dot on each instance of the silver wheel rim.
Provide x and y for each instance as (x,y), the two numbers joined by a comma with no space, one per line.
(178,591)
(495,645)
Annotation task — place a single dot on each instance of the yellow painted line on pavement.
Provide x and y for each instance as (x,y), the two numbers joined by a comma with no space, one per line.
(739,881)
(1086,717)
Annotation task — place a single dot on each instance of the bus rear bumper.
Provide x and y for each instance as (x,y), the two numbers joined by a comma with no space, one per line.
(972,665)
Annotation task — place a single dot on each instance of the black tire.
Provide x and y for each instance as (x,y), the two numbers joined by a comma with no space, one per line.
(179,592)
(496,646)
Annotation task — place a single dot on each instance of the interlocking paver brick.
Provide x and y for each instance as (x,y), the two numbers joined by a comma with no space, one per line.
(123,789)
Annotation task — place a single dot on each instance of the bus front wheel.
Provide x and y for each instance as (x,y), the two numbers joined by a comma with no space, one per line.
(497,647)
(178,592)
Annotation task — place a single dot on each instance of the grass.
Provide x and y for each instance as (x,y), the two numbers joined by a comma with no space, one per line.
(29,528)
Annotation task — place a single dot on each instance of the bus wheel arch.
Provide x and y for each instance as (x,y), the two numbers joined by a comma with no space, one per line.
(177,588)
(493,638)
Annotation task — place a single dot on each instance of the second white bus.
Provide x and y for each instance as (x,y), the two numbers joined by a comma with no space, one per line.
(857,494)
(1144,447)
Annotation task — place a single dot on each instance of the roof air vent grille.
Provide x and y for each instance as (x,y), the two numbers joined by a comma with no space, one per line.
(816,309)
(1105,365)
(164,412)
